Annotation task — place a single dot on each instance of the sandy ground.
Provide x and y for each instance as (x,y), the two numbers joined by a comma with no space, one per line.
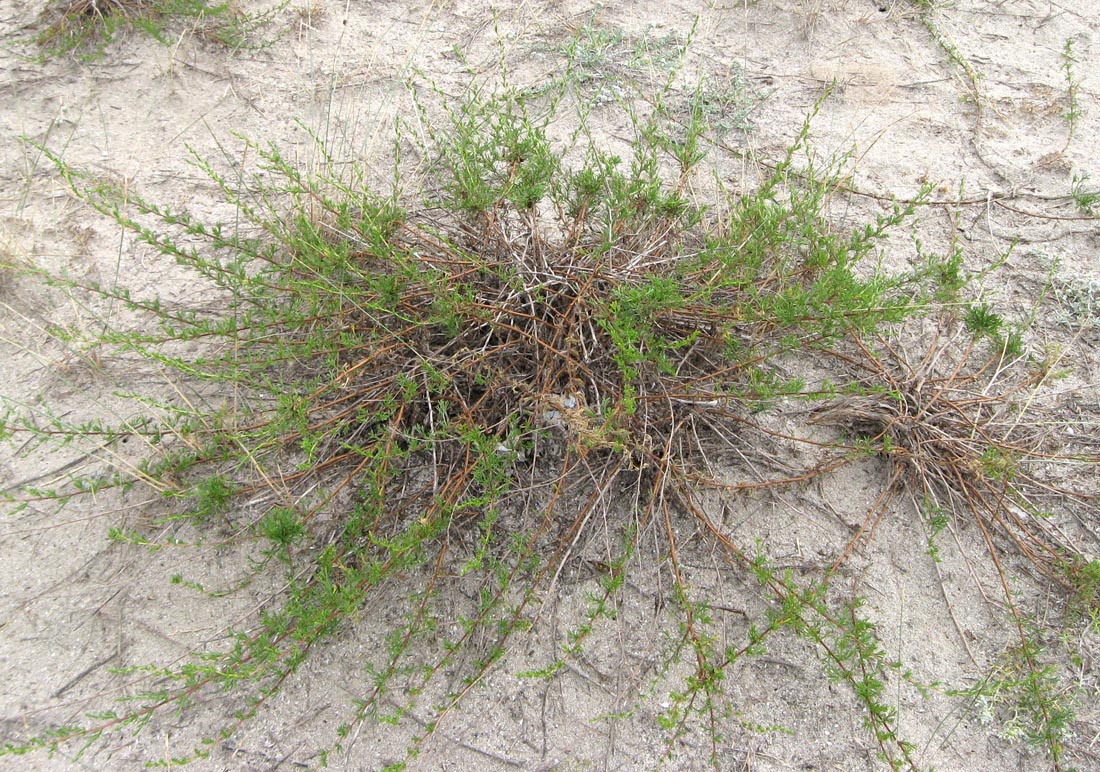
(988,129)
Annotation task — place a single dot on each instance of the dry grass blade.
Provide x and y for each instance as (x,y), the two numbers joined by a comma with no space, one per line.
(961,431)
(73,16)
(85,27)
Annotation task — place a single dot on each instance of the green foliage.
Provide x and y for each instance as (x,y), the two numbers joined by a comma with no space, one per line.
(1073,111)
(1028,699)
(983,322)
(1085,577)
(937,522)
(449,391)
(946,274)
(495,152)
(282,527)
(1085,199)
(87,27)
